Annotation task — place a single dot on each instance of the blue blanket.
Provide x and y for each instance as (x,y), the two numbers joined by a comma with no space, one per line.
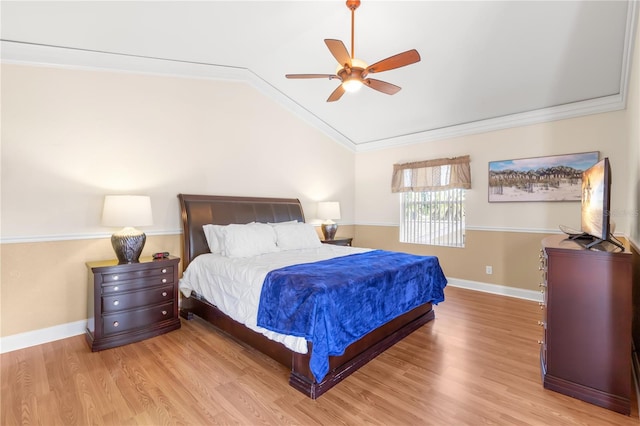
(335,302)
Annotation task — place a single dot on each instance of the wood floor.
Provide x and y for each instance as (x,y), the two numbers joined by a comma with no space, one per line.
(476,363)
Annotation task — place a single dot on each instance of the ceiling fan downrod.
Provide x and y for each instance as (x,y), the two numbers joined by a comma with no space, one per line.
(353,5)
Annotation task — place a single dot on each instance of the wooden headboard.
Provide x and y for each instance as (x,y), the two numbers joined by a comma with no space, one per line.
(198,210)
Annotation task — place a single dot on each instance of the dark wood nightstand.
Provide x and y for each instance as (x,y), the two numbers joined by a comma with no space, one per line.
(338,241)
(131,302)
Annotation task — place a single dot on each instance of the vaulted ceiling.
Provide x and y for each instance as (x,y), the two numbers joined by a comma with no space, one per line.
(485,64)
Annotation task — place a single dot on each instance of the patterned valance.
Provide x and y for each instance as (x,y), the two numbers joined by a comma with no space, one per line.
(432,175)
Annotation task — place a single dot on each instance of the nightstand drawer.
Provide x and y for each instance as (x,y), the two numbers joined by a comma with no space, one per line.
(160,270)
(127,320)
(123,301)
(124,286)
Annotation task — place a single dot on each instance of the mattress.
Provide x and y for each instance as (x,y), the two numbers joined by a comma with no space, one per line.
(234,285)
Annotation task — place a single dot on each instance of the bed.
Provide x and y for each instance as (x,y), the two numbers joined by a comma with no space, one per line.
(200,210)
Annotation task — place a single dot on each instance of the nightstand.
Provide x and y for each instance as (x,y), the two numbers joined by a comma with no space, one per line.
(338,241)
(131,302)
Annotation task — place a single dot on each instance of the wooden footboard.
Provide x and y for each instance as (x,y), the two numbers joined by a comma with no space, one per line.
(340,367)
(358,353)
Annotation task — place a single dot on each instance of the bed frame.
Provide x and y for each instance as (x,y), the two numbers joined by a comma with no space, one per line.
(198,210)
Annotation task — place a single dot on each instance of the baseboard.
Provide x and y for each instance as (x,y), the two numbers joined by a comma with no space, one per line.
(50,334)
(43,335)
(501,290)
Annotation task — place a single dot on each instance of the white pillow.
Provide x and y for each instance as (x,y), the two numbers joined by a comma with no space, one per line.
(289,222)
(215,238)
(297,236)
(249,240)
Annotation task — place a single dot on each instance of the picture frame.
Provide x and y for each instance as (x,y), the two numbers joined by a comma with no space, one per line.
(548,178)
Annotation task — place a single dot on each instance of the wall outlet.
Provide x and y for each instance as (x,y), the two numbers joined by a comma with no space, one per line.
(489,269)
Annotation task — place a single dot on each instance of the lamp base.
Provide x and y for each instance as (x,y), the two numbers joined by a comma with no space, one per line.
(329,230)
(128,244)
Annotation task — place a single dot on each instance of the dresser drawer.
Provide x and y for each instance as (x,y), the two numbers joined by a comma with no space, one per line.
(124,301)
(117,287)
(127,320)
(161,271)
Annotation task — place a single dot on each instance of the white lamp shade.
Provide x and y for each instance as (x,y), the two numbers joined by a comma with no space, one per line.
(329,210)
(127,210)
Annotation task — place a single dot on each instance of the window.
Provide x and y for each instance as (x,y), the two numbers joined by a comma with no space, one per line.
(432,200)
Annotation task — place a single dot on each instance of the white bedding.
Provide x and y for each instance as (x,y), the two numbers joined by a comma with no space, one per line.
(234,284)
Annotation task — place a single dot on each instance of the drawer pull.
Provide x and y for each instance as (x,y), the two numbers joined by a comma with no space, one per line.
(540,323)
(164,293)
(164,280)
(541,304)
(164,271)
(116,323)
(540,342)
(116,288)
(116,302)
(115,278)
(164,312)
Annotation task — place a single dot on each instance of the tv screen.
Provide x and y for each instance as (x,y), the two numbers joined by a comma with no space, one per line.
(596,199)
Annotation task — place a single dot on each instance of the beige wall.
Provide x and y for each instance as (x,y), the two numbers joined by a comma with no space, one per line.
(633,123)
(508,253)
(71,136)
(44,284)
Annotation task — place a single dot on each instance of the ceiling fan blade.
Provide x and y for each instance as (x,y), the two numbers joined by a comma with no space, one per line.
(382,86)
(336,94)
(339,51)
(396,61)
(329,76)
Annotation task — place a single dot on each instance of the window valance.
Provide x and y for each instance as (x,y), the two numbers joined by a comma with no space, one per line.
(432,175)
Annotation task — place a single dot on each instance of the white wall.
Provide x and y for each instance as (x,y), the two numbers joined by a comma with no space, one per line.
(71,136)
(606,133)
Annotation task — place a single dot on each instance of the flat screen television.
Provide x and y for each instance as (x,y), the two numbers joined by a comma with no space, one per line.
(596,204)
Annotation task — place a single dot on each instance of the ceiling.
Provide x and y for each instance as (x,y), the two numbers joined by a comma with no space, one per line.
(485,64)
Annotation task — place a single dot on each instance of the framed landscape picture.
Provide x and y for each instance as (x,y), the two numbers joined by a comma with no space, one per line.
(551,178)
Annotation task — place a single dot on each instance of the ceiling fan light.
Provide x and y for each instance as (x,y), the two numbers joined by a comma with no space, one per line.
(352,85)
(358,63)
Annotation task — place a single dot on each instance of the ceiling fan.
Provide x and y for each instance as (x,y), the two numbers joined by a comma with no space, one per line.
(353,72)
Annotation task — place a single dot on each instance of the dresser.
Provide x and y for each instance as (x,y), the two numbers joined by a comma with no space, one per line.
(130,302)
(586,318)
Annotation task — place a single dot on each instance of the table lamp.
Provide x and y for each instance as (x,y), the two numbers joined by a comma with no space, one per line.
(329,210)
(127,211)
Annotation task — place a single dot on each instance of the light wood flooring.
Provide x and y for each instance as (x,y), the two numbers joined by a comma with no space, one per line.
(476,363)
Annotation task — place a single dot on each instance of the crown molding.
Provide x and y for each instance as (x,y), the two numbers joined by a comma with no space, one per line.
(544,115)
(57,56)
(20,53)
